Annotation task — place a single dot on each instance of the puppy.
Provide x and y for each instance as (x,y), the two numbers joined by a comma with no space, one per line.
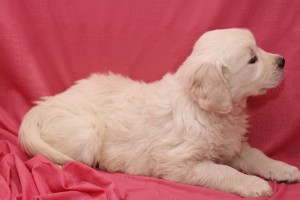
(189,127)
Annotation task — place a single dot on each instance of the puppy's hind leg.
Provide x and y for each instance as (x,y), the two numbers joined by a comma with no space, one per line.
(220,177)
(77,136)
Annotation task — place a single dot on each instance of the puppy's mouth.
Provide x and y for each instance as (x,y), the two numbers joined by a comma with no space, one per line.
(273,82)
(263,89)
(270,85)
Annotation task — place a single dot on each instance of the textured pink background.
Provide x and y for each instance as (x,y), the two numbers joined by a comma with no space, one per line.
(46,45)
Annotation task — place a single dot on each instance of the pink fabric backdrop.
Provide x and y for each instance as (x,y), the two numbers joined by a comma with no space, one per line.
(46,45)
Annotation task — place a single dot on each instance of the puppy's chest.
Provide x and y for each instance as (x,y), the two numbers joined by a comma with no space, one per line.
(224,139)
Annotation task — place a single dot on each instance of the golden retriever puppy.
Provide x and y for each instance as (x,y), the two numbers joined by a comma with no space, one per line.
(189,127)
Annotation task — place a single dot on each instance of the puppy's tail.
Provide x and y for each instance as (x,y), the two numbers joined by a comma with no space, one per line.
(31,141)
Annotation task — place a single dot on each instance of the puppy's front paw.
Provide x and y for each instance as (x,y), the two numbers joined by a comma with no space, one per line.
(281,171)
(255,187)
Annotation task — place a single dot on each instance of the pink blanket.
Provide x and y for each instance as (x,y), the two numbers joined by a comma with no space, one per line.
(46,45)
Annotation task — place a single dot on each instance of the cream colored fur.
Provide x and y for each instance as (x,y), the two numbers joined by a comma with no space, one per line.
(189,127)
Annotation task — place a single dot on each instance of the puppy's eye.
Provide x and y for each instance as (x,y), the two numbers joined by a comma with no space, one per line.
(253,60)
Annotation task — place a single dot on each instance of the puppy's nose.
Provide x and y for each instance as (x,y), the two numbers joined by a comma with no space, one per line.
(280,62)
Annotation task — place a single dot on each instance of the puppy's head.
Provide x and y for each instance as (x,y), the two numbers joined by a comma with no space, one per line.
(226,66)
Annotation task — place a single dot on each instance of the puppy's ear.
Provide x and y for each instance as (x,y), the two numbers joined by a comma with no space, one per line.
(209,89)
